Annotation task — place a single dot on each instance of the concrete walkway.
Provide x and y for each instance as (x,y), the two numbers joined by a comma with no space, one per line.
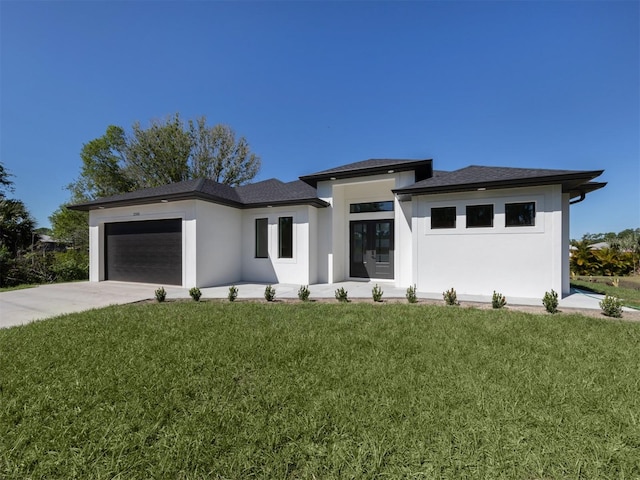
(18,307)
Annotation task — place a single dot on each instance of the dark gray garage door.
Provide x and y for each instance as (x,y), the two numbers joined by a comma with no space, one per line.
(146,251)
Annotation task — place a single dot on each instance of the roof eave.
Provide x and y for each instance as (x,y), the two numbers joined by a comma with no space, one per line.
(99,205)
(365,172)
(565,180)
(314,202)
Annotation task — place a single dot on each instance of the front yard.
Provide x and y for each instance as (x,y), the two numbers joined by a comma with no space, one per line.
(319,390)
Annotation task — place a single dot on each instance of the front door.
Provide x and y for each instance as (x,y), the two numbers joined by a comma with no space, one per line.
(371,249)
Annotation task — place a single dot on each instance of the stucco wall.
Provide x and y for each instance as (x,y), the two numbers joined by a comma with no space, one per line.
(333,223)
(294,270)
(515,261)
(218,245)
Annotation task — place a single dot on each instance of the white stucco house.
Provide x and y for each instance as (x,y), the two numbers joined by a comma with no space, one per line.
(477,229)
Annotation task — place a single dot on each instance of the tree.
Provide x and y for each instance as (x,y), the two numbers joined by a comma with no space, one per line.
(167,151)
(217,155)
(6,185)
(71,226)
(16,226)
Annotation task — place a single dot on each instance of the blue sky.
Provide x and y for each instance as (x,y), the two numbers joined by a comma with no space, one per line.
(313,85)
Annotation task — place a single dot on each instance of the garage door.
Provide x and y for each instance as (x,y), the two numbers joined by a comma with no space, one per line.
(147,251)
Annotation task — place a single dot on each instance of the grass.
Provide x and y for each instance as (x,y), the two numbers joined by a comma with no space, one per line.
(197,390)
(17,287)
(628,291)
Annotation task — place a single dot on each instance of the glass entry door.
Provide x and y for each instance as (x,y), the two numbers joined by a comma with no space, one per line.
(371,249)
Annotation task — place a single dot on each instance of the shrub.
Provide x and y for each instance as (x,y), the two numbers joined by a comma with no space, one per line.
(342,295)
(450,297)
(233,293)
(550,301)
(498,300)
(411,294)
(611,306)
(195,293)
(161,294)
(377,293)
(303,293)
(269,293)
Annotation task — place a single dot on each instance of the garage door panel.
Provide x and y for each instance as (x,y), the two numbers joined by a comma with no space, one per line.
(145,251)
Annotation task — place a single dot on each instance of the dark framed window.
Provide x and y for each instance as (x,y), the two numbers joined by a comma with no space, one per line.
(371,207)
(479,216)
(443,217)
(262,237)
(520,214)
(285,237)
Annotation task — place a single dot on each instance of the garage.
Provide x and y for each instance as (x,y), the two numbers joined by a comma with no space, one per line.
(148,251)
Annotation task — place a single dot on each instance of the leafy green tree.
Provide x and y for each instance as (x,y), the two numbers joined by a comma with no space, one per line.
(71,226)
(6,185)
(16,226)
(167,151)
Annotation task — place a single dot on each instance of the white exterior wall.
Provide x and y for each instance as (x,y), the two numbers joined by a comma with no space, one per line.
(296,270)
(333,223)
(515,261)
(218,245)
(185,210)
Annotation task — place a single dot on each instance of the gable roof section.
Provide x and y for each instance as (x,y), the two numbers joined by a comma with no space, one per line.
(269,192)
(475,177)
(374,166)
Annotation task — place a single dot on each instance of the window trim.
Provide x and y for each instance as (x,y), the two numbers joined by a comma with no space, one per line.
(280,237)
(479,205)
(353,206)
(265,221)
(516,225)
(447,227)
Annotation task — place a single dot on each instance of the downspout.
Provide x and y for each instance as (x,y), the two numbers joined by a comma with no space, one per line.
(582,197)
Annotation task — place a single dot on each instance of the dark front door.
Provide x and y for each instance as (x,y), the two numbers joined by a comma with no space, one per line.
(145,251)
(371,249)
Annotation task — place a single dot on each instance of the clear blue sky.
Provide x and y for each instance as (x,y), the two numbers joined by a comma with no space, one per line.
(313,85)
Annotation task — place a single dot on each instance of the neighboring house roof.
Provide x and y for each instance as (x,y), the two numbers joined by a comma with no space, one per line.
(268,192)
(375,166)
(477,177)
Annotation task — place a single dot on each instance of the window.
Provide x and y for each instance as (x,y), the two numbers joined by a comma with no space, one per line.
(520,214)
(285,237)
(479,216)
(444,217)
(371,207)
(262,237)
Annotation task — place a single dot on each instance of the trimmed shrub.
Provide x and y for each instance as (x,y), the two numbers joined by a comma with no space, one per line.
(233,293)
(450,297)
(550,301)
(161,294)
(303,293)
(411,294)
(498,300)
(195,293)
(377,293)
(269,293)
(342,295)
(611,306)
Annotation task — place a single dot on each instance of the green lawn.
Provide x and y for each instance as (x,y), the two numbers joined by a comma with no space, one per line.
(628,290)
(247,390)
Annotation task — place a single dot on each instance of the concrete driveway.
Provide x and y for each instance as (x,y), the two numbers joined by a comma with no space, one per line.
(23,306)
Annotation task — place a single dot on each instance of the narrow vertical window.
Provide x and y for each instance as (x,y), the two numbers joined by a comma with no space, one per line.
(285,237)
(262,237)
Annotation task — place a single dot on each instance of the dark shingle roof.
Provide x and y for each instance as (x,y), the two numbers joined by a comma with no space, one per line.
(374,166)
(275,192)
(478,177)
(269,192)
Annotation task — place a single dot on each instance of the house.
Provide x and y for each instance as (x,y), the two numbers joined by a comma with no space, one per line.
(477,229)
